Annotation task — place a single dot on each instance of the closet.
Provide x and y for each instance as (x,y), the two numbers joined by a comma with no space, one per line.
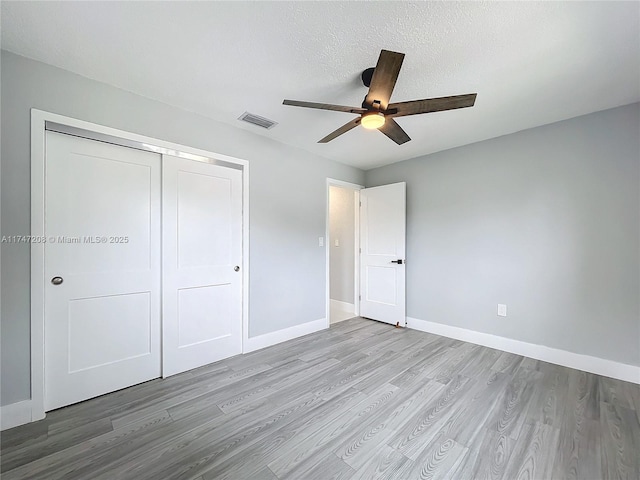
(142,266)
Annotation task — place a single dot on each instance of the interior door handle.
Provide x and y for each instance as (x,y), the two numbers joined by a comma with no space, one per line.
(399,262)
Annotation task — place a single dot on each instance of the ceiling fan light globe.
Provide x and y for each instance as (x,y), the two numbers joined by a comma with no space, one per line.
(373,120)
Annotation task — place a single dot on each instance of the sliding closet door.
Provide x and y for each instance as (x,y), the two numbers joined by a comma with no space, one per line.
(102,268)
(201,260)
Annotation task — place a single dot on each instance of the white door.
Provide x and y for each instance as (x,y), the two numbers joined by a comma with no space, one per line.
(382,258)
(102,268)
(201,260)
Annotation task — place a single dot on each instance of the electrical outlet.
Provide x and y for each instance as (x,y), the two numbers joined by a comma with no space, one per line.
(337,242)
(502,310)
(321,241)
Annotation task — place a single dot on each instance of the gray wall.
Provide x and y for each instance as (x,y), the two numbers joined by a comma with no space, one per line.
(544,220)
(342,257)
(287,200)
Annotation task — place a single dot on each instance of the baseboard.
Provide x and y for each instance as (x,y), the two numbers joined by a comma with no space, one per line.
(279,336)
(599,366)
(15,414)
(343,306)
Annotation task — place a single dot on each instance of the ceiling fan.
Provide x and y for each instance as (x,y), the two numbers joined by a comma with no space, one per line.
(376,111)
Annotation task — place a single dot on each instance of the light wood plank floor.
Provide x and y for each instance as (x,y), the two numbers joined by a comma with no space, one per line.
(361,400)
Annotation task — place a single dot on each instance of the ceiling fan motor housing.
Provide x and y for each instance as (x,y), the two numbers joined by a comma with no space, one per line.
(366,76)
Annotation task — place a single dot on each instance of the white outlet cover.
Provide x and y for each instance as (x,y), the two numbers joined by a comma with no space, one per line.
(502,310)
(337,242)
(321,241)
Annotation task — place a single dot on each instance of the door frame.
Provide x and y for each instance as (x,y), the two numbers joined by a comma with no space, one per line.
(39,121)
(332,182)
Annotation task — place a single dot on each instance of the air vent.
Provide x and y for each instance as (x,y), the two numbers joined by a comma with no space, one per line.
(257,120)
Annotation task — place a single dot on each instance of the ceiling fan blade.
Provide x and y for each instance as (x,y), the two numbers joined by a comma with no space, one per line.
(428,105)
(343,129)
(394,131)
(384,79)
(324,106)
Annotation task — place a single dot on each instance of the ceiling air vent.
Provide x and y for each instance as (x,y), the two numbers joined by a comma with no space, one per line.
(257,120)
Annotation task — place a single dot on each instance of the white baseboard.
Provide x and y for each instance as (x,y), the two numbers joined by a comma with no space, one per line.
(343,306)
(15,414)
(599,366)
(279,336)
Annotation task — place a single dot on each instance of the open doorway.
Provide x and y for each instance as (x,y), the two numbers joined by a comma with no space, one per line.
(342,250)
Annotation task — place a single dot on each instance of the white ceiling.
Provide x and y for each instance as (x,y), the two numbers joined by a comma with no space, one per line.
(531,63)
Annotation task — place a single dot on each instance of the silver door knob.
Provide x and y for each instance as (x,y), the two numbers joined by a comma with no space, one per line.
(236,268)
(57,280)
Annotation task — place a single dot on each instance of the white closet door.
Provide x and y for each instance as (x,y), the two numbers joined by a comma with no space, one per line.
(201,260)
(102,267)
(382,259)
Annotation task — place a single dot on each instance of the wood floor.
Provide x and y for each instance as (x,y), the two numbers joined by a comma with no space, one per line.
(362,400)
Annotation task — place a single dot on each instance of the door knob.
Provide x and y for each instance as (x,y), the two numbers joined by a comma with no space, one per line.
(236,268)
(399,261)
(57,280)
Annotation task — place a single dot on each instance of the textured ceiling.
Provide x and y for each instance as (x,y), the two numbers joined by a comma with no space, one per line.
(531,63)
